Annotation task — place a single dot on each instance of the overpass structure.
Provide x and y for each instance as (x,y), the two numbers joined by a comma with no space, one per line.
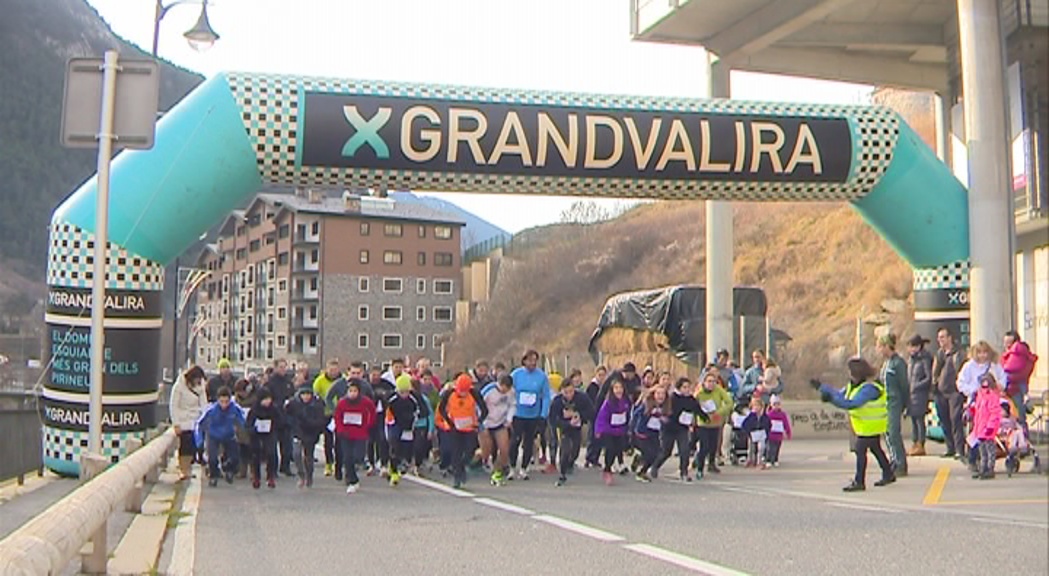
(986,62)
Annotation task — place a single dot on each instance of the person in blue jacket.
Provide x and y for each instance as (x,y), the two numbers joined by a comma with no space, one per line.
(424,430)
(217,426)
(532,390)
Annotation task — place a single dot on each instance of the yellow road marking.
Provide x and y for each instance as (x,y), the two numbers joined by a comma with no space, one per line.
(991,502)
(932,496)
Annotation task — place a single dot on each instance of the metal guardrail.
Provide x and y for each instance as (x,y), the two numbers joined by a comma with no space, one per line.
(48,542)
(20,444)
(482,249)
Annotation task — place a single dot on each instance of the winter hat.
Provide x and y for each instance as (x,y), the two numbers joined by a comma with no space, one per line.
(775,400)
(404,383)
(463,383)
(305,389)
(225,363)
(265,393)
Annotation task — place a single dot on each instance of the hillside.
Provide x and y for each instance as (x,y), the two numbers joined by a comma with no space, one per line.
(819,264)
(36,39)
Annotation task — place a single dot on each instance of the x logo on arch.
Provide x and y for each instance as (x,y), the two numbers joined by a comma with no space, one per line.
(367,131)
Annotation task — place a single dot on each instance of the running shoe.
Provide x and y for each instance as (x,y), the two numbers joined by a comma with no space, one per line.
(213,482)
(497,478)
(271,483)
(642,477)
(229,477)
(686,478)
(714,469)
(699,474)
(255,483)
(302,483)
(522,474)
(561,481)
(550,469)
(395,477)
(351,489)
(329,469)
(607,476)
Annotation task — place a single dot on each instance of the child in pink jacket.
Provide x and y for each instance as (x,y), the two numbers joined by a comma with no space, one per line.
(987,418)
(779,431)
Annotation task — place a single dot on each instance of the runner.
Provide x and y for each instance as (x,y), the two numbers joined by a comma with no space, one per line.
(321,386)
(676,431)
(610,426)
(378,448)
(569,411)
(459,408)
(307,421)
(532,408)
(353,421)
(401,412)
(715,403)
(423,430)
(216,427)
(263,423)
(650,417)
(500,400)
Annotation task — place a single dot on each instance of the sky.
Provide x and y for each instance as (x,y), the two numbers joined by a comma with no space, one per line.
(568,45)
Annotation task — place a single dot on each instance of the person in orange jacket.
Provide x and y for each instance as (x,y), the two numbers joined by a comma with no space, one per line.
(462,409)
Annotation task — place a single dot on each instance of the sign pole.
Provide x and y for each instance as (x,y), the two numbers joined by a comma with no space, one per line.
(98,284)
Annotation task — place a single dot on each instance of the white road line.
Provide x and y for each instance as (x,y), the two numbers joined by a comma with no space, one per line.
(745,491)
(184,548)
(579,528)
(1011,523)
(865,508)
(682,561)
(438,486)
(504,506)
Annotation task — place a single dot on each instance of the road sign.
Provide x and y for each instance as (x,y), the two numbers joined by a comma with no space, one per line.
(135,109)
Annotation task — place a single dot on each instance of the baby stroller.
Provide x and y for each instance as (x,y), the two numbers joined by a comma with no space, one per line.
(740,439)
(1012,443)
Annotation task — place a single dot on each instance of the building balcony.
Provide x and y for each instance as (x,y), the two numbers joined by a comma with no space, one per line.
(305,295)
(305,239)
(305,324)
(306,268)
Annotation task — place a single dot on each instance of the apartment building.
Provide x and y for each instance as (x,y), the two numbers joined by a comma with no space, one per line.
(310,276)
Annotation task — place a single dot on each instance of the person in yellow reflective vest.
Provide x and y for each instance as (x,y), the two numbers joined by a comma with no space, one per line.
(865,399)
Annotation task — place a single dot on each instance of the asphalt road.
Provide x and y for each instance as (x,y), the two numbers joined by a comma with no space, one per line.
(792,520)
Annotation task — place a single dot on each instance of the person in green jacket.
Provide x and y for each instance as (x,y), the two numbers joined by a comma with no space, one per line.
(715,405)
(321,386)
(898,392)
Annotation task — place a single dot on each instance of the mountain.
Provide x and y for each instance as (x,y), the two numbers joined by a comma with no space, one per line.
(820,266)
(477,229)
(36,173)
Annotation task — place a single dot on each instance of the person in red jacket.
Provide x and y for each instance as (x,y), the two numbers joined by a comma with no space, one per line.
(354,417)
(1018,362)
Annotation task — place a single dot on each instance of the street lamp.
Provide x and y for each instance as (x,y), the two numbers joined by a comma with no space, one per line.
(200,37)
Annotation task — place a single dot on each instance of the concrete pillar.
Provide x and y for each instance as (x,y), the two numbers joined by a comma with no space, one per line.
(719,244)
(96,560)
(990,196)
(943,132)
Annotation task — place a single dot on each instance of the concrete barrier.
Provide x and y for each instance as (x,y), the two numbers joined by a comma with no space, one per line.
(47,543)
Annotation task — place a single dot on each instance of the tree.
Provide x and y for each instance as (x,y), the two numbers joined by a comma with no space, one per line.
(585,212)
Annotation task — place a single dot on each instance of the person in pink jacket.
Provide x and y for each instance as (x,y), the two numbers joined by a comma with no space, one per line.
(780,430)
(1018,362)
(987,417)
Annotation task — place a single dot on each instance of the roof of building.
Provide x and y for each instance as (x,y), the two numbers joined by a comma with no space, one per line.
(382,208)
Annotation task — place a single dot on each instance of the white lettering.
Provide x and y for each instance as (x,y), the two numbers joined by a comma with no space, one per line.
(671,151)
(643,154)
(502,144)
(741,147)
(430,136)
(770,148)
(591,160)
(705,165)
(548,132)
(457,134)
(806,141)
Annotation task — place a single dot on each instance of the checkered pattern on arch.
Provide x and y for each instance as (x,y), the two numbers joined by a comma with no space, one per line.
(71,256)
(68,445)
(953,275)
(270,112)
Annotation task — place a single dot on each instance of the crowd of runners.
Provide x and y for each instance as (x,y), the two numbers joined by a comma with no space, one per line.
(404,420)
(509,423)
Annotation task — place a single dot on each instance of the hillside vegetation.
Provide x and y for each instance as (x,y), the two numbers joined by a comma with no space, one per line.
(820,265)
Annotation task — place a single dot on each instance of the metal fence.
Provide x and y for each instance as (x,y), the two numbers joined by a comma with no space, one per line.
(20,444)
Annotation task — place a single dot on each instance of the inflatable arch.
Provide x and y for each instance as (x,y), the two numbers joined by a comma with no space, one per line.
(237,132)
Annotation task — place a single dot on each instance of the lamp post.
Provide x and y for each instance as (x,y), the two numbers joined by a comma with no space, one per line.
(200,37)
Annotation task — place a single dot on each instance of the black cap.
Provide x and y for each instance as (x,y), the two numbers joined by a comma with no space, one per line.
(918,340)
(629,367)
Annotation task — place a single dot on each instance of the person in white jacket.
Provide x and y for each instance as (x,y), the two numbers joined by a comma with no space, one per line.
(188,401)
(983,359)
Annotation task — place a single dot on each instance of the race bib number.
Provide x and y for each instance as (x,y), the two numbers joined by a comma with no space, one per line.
(576,421)
(464,423)
(686,418)
(407,436)
(527,399)
(619,419)
(331,425)
(777,427)
(708,406)
(378,407)
(352,419)
(654,423)
(263,426)
(757,436)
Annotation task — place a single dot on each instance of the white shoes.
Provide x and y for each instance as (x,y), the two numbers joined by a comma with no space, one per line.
(522,474)
(351,489)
